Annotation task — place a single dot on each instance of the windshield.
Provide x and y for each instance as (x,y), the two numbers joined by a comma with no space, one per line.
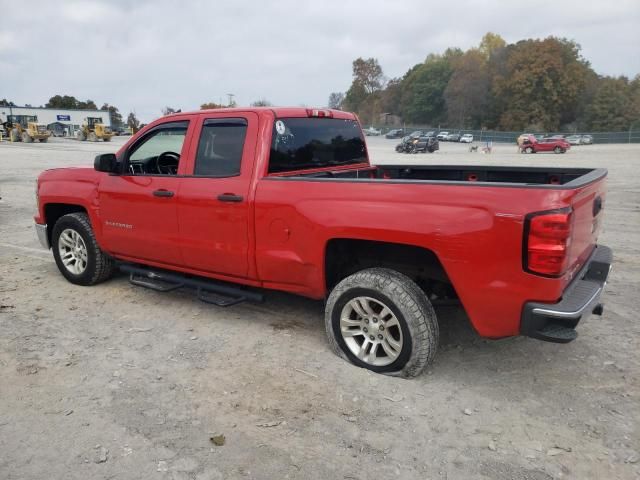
(303,143)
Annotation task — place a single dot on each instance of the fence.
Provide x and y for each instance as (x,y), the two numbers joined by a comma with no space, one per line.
(629,136)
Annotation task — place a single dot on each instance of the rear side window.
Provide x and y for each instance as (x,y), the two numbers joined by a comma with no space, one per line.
(302,143)
(220,147)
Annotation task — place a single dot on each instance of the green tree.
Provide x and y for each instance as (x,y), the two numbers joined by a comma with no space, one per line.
(114,114)
(133,122)
(336,99)
(6,103)
(69,102)
(614,106)
(466,94)
(423,91)
(263,102)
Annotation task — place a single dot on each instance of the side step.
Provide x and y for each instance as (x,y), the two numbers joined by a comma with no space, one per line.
(555,333)
(209,291)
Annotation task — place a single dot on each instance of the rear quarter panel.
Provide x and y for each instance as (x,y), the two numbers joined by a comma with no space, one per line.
(476,232)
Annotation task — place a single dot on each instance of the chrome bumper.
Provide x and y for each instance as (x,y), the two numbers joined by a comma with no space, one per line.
(41,230)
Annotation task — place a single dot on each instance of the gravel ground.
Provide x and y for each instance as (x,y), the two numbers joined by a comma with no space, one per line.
(119,382)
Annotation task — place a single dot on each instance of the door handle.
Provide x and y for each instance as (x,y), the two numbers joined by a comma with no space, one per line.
(230,197)
(162,193)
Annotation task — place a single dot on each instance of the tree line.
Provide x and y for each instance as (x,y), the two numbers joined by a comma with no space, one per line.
(532,85)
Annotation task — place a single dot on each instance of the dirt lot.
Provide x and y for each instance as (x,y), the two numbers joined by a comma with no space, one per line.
(118,382)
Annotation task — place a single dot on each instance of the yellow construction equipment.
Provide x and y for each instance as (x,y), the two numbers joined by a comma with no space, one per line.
(25,128)
(93,130)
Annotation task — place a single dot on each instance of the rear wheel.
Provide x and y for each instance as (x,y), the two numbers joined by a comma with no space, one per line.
(557,150)
(379,319)
(77,253)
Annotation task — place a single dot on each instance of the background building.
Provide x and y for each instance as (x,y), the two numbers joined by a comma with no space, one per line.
(59,120)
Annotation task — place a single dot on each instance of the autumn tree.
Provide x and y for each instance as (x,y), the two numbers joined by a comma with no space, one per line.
(211,106)
(490,44)
(541,84)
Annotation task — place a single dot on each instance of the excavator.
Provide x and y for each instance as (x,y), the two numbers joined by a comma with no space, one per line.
(93,130)
(25,128)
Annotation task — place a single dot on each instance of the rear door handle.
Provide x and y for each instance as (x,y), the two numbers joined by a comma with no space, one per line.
(230,197)
(162,193)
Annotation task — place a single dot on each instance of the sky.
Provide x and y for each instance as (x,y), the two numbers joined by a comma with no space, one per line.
(143,55)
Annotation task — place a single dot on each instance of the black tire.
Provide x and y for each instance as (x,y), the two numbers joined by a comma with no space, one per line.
(99,265)
(406,301)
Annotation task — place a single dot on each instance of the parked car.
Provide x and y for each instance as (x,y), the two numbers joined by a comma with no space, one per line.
(466,138)
(442,136)
(372,132)
(574,139)
(286,199)
(586,140)
(395,133)
(533,145)
(453,137)
(422,144)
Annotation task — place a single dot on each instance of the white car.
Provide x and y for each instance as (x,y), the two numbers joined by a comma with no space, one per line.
(466,138)
(442,136)
(371,132)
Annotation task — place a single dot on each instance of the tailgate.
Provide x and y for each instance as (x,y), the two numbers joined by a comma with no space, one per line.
(588,207)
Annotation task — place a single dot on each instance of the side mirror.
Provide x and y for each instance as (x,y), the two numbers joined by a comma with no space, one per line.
(106,162)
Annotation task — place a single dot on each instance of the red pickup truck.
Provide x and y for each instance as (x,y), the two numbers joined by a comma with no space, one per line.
(232,201)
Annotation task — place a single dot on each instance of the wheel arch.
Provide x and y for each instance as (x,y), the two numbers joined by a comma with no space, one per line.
(345,256)
(53,212)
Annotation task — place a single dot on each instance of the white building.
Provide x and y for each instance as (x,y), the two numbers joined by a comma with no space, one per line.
(59,120)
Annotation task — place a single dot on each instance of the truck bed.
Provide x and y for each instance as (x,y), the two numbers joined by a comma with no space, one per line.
(545,177)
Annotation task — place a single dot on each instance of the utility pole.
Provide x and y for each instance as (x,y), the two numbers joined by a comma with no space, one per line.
(230,95)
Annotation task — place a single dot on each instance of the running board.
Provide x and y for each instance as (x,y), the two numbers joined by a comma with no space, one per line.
(208,291)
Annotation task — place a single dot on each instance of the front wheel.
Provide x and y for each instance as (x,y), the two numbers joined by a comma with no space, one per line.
(379,319)
(77,253)
(528,150)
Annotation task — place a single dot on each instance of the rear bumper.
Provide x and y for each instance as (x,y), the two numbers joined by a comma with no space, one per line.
(556,322)
(41,230)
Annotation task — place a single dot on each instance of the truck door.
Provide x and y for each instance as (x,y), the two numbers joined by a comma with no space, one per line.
(138,208)
(214,204)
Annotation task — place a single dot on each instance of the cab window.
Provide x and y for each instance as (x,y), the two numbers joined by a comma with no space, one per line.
(220,147)
(158,153)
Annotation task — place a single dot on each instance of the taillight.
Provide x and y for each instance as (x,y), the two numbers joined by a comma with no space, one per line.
(547,242)
(313,112)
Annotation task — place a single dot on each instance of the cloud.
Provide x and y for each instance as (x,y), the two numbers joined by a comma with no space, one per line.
(143,55)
